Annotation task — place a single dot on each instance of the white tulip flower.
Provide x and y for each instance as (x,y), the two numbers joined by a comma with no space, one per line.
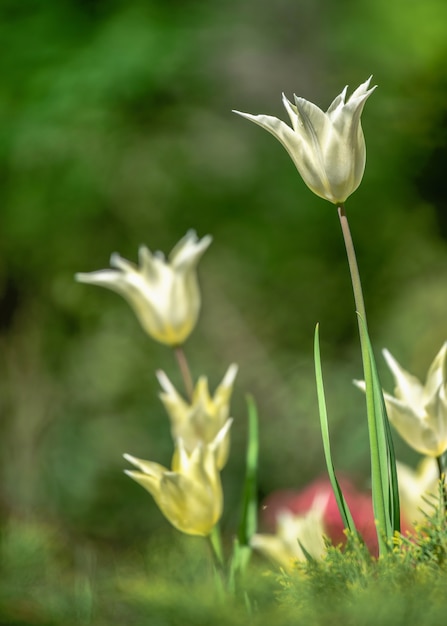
(328,149)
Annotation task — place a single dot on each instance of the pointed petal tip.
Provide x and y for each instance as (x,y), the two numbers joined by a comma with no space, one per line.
(360,384)
(114,258)
(89,277)
(391,362)
(230,375)
(143,252)
(249,116)
(206,240)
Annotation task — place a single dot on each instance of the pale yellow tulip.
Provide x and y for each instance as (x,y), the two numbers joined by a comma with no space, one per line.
(164,295)
(201,419)
(416,488)
(190,494)
(417,411)
(293,533)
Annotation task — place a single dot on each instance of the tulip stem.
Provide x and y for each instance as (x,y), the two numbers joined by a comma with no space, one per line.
(383,468)
(440,463)
(216,546)
(185,371)
(352,260)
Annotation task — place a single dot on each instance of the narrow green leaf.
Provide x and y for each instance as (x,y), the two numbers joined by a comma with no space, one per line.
(383,462)
(309,558)
(249,516)
(341,502)
(389,471)
(394,492)
(248,522)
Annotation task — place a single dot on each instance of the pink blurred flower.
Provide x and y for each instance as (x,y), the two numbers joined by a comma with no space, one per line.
(299,502)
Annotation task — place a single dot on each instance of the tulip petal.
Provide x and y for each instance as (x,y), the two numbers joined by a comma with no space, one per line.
(201,419)
(436,374)
(408,387)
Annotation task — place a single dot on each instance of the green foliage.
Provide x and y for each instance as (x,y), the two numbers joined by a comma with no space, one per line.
(242,550)
(170,581)
(404,585)
(343,507)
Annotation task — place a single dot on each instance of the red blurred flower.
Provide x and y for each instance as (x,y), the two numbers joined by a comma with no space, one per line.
(299,502)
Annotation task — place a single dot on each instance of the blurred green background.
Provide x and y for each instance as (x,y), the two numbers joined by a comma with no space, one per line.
(116,130)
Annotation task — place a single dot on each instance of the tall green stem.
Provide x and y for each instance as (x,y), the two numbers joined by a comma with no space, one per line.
(352,260)
(379,471)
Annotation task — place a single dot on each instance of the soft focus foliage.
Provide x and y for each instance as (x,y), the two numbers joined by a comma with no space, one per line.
(116,131)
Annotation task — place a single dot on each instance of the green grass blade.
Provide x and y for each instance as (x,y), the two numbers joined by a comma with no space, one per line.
(248,522)
(341,502)
(249,515)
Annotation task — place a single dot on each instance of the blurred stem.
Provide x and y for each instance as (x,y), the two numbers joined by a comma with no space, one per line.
(216,546)
(185,371)
(441,470)
(439,461)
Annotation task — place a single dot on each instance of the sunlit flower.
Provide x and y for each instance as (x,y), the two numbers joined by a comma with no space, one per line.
(190,494)
(328,149)
(201,419)
(164,294)
(419,412)
(416,486)
(295,536)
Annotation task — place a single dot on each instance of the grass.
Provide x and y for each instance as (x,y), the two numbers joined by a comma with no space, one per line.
(49,580)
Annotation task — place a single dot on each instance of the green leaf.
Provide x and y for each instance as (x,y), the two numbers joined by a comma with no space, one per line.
(385,487)
(248,523)
(341,502)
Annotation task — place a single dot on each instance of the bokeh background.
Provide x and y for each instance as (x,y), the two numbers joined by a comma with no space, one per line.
(116,130)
